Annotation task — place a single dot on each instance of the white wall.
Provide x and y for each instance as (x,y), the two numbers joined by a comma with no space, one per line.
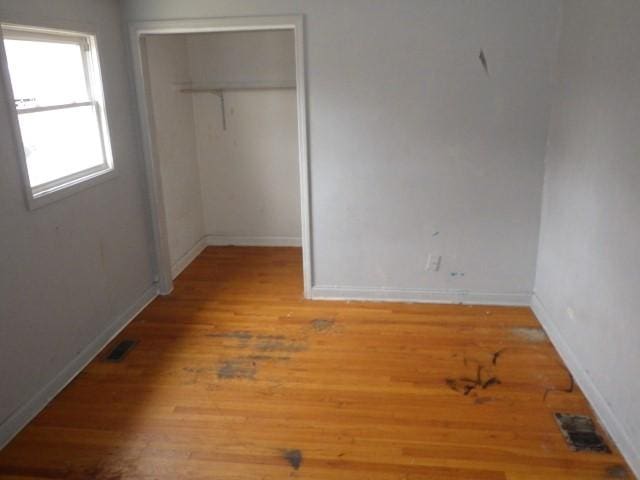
(248,172)
(413,147)
(72,272)
(589,266)
(167,65)
(264,56)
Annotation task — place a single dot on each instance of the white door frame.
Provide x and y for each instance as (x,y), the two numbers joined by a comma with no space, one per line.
(156,198)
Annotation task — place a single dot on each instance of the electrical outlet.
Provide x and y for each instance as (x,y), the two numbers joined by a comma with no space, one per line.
(433,262)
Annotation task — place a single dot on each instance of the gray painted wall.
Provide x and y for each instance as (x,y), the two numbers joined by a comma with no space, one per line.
(589,266)
(409,136)
(248,172)
(71,269)
(167,59)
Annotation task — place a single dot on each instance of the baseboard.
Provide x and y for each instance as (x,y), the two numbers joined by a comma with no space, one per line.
(602,409)
(320,292)
(21,417)
(224,240)
(187,258)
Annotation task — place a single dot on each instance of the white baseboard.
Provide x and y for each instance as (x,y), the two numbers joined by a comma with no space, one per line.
(187,258)
(21,417)
(320,292)
(224,240)
(602,409)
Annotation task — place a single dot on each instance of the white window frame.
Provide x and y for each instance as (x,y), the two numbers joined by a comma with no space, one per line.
(64,186)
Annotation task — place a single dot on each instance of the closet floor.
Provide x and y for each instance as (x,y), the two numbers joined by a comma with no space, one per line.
(235,376)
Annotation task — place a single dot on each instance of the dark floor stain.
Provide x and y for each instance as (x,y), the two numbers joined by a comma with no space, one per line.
(267,358)
(580,433)
(322,324)
(121,350)
(279,346)
(569,389)
(482,400)
(243,338)
(271,337)
(533,335)
(496,356)
(294,457)
(490,382)
(466,385)
(238,368)
(198,369)
(236,335)
(616,471)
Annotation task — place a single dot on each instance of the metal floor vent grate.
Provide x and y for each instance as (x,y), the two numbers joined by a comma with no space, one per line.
(580,433)
(120,351)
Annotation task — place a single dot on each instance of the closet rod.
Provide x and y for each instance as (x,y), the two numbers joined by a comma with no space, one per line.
(219,90)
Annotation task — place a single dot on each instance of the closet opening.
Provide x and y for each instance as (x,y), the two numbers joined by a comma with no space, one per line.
(223,117)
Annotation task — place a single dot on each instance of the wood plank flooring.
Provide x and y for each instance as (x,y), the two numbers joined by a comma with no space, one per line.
(236,376)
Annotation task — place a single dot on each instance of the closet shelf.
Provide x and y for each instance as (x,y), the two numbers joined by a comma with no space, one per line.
(218,88)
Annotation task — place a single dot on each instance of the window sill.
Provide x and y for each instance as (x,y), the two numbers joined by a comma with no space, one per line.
(46,198)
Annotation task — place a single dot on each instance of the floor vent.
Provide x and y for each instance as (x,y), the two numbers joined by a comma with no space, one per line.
(580,433)
(120,351)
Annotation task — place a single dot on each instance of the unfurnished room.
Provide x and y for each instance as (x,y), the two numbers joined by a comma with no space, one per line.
(319,239)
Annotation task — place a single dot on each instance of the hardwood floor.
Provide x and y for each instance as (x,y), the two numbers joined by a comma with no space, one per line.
(235,376)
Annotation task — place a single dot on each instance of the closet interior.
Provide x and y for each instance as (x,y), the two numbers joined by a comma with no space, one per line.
(224,117)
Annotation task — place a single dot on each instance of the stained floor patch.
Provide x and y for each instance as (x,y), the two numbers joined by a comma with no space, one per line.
(580,433)
(569,389)
(534,335)
(236,335)
(279,346)
(322,324)
(294,457)
(239,368)
(120,351)
(616,471)
(482,378)
(241,337)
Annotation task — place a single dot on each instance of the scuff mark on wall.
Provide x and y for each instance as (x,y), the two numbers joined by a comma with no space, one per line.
(483,61)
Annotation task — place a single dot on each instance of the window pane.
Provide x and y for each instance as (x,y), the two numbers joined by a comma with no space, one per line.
(59,143)
(46,73)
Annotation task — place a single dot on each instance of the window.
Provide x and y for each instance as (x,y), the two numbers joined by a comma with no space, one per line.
(61,121)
